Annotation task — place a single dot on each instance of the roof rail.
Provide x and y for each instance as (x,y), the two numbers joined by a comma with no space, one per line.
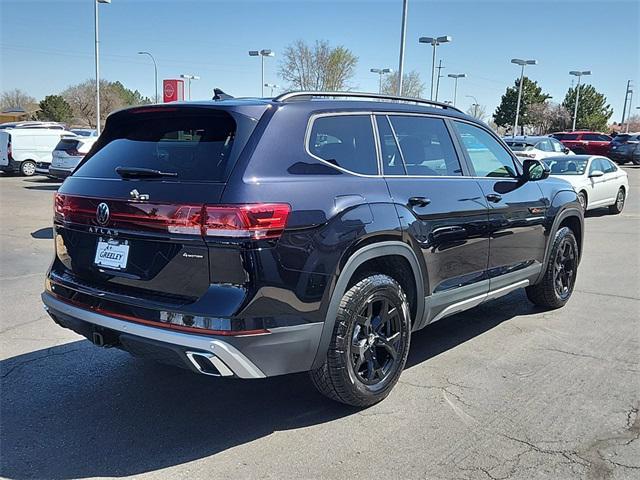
(285,97)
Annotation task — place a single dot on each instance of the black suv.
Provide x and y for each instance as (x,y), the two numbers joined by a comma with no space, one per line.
(309,232)
(625,147)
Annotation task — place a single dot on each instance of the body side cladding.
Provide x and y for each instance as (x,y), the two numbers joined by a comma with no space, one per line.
(364,254)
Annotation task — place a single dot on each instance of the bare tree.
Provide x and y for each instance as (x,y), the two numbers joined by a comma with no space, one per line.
(18,99)
(549,117)
(317,67)
(412,85)
(478,111)
(82,98)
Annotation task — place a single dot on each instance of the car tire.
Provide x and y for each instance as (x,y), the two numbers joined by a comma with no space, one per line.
(635,160)
(617,207)
(582,198)
(28,168)
(556,286)
(369,345)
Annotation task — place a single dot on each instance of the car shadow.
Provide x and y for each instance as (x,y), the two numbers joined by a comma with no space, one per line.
(78,411)
(43,233)
(42,183)
(597,212)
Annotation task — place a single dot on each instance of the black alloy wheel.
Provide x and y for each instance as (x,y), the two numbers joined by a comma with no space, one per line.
(375,340)
(564,268)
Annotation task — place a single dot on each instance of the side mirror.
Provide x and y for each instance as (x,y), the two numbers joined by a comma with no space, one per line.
(534,170)
(566,150)
(596,173)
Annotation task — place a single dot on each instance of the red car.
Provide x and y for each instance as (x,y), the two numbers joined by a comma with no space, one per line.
(590,143)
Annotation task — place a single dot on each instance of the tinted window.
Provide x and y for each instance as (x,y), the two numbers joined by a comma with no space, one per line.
(488,157)
(518,146)
(391,159)
(595,137)
(198,146)
(426,146)
(570,136)
(345,141)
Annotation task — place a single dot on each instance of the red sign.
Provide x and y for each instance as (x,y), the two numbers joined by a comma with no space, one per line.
(172,90)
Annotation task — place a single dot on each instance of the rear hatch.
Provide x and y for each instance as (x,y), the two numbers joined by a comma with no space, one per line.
(129,220)
(66,154)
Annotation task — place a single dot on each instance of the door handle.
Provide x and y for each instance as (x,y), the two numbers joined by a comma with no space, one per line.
(494,197)
(419,201)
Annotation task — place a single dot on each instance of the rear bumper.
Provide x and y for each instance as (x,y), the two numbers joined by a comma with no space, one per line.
(59,172)
(42,168)
(283,350)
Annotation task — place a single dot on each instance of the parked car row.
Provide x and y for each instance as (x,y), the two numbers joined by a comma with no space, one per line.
(29,148)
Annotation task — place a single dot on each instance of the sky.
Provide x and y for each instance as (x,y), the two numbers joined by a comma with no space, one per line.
(46,46)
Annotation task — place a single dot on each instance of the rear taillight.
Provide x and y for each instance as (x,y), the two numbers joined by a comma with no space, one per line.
(9,152)
(263,220)
(250,221)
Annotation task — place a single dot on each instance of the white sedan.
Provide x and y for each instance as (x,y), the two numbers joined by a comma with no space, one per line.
(598,181)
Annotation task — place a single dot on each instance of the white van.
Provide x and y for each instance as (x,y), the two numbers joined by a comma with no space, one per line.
(26,149)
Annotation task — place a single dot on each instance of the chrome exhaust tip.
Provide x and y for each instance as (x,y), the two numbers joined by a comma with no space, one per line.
(209,364)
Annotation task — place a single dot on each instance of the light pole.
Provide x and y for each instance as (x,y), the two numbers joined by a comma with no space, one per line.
(189,78)
(434,42)
(474,105)
(578,74)
(155,69)
(97,60)
(629,114)
(456,76)
(403,35)
(522,63)
(262,53)
(380,72)
(271,86)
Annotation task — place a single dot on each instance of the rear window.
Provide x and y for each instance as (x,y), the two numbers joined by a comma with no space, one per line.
(67,144)
(518,146)
(345,141)
(567,136)
(195,146)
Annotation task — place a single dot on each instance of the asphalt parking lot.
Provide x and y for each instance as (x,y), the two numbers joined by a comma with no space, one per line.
(501,391)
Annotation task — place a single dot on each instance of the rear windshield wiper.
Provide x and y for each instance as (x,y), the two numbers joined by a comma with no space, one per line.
(135,172)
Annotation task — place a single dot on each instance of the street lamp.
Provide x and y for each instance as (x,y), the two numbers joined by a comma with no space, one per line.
(271,86)
(578,74)
(474,105)
(403,36)
(262,53)
(434,42)
(380,72)
(522,63)
(456,76)
(97,60)
(155,69)
(189,78)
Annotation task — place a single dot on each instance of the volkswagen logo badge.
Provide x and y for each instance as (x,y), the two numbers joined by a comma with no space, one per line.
(102,213)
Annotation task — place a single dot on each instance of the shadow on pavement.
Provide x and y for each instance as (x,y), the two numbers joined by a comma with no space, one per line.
(43,233)
(77,411)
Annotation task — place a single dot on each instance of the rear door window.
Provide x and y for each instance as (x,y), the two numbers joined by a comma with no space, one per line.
(425,145)
(196,146)
(345,141)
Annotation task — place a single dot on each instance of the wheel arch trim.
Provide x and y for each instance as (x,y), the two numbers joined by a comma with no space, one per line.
(559,218)
(359,257)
